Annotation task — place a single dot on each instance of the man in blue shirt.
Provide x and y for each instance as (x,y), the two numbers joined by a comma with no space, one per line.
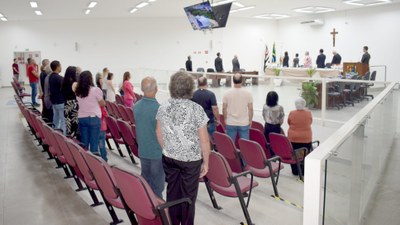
(150,152)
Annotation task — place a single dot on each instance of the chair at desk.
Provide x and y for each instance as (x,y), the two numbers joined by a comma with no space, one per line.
(200,69)
(373,76)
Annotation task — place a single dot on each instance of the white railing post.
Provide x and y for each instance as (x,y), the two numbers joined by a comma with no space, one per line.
(312,192)
(323,102)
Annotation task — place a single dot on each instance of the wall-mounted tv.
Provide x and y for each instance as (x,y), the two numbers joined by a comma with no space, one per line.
(221,13)
(201,16)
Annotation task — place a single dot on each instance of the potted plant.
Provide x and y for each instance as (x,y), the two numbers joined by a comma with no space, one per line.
(310,94)
(277,81)
(311,71)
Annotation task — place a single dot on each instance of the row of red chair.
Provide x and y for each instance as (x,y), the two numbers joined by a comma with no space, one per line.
(118,187)
(120,111)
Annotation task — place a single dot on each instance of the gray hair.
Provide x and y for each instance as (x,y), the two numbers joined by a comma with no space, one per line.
(149,84)
(307,53)
(300,104)
(181,85)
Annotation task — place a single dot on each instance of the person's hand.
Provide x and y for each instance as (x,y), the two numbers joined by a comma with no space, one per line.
(40,97)
(204,170)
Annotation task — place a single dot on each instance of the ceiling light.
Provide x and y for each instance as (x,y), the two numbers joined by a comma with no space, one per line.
(133,10)
(152,0)
(87,11)
(242,9)
(272,16)
(238,4)
(354,2)
(221,2)
(366,3)
(33,4)
(4,19)
(141,5)
(314,9)
(39,13)
(92,5)
(1,15)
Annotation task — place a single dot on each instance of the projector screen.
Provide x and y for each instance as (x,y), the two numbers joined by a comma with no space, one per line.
(201,16)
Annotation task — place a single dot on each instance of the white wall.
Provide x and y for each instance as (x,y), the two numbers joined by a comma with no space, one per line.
(164,43)
(125,44)
(376,27)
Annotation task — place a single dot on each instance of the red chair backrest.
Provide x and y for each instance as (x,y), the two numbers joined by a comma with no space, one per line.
(103,176)
(252,153)
(281,146)
(225,146)
(258,126)
(123,113)
(62,143)
(127,135)
(138,195)
(119,99)
(221,128)
(129,112)
(109,108)
(259,137)
(113,127)
(77,152)
(49,136)
(57,147)
(222,120)
(219,170)
(114,107)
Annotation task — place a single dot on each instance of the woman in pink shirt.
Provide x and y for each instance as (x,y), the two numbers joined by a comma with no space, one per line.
(307,60)
(90,99)
(129,95)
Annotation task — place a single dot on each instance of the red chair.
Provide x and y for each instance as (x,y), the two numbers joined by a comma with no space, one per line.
(226,147)
(259,137)
(113,128)
(114,107)
(129,112)
(259,164)
(138,96)
(129,139)
(119,99)
(221,179)
(258,126)
(222,120)
(123,113)
(140,198)
(282,147)
(109,108)
(86,174)
(105,181)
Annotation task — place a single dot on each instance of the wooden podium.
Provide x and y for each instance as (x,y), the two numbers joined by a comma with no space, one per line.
(357,67)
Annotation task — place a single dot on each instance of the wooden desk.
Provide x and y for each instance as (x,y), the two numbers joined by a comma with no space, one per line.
(254,80)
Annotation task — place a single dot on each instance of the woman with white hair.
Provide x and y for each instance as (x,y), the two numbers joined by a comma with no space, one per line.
(300,133)
(307,60)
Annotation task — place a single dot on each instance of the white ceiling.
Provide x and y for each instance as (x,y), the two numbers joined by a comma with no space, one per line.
(17,10)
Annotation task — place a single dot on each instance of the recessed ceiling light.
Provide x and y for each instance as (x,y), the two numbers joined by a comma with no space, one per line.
(1,15)
(141,5)
(314,9)
(87,11)
(366,3)
(33,4)
(242,9)
(39,13)
(272,16)
(238,4)
(4,19)
(221,2)
(133,10)
(152,0)
(92,5)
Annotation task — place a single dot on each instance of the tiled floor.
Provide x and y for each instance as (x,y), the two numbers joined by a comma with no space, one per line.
(33,192)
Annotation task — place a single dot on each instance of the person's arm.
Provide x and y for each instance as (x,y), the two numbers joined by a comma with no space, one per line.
(225,111)
(282,114)
(159,134)
(110,84)
(251,112)
(205,149)
(16,69)
(129,89)
(35,72)
(215,111)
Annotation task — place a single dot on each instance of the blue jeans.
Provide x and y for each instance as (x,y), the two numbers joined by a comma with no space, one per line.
(90,132)
(211,127)
(153,173)
(243,132)
(34,92)
(102,145)
(58,117)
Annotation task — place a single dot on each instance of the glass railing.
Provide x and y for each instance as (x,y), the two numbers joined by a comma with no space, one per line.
(343,172)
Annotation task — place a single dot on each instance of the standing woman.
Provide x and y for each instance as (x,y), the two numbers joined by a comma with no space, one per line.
(90,99)
(129,95)
(110,88)
(71,105)
(273,114)
(182,134)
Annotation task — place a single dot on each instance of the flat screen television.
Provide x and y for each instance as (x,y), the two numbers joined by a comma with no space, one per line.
(221,13)
(201,16)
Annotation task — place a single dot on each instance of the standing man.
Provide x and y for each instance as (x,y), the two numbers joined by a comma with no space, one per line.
(45,71)
(15,70)
(366,56)
(238,110)
(189,64)
(219,68)
(33,75)
(150,152)
(208,101)
(56,96)
(235,64)
(321,59)
(337,59)
(296,60)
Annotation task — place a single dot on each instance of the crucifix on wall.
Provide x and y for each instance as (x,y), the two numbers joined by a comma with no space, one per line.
(334,32)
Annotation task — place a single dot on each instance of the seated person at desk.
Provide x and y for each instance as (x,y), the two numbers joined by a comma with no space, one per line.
(273,115)
(299,132)
(337,59)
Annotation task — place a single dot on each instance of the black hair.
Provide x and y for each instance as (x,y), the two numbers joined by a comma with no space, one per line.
(110,76)
(85,82)
(297,54)
(366,48)
(69,77)
(272,99)
(54,65)
(286,53)
(29,60)
(237,78)
(218,54)
(321,51)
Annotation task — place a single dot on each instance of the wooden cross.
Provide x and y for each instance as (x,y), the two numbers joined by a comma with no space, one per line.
(334,32)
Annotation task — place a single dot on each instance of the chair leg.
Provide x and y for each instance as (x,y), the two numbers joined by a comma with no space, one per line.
(77,180)
(119,150)
(274,182)
(46,149)
(130,154)
(243,204)
(94,198)
(109,145)
(66,171)
(299,169)
(129,212)
(212,197)
(113,215)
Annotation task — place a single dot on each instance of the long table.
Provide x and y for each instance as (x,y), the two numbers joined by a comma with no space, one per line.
(302,72)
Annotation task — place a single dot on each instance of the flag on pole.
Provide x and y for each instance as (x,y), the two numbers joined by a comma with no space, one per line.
(273,53)
(266,58)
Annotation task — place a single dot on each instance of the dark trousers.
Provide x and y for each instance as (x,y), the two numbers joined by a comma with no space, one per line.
(183,182)
(295,171)
(271,128)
